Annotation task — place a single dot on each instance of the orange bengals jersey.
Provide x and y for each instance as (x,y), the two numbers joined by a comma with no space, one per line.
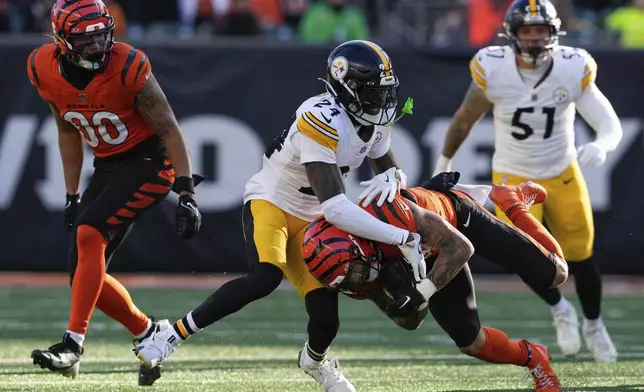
(399,214)
(104,111)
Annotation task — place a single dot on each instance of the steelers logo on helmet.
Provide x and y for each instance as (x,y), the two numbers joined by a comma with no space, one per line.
(339,68)
(361,78)
(533,29)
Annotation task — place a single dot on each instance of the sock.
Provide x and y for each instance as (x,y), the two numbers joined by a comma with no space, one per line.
(561,306)
(115,302)
(318,357)
(551,296)
(523,219)
(324,322)
(185,327)
(145,332)
(499,348)
(588,283)
(88,278)
(593,324)
(77,337)
(261,280)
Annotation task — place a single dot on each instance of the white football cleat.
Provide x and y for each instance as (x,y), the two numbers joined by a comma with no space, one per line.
(326,373)
(158,346)
(598,342)
(567,326)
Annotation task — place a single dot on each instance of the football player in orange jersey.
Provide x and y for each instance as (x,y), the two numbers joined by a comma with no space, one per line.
(105,92)
(367,270)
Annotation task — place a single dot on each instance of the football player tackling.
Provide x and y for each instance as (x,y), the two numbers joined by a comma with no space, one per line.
(369,270)
(105,92)
(534,86)
(301,180)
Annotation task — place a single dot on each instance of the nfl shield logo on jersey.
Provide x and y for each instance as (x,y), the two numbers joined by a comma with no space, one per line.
(560,96)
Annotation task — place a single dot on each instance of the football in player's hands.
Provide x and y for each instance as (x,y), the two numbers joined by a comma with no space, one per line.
(396,274)
(397,278)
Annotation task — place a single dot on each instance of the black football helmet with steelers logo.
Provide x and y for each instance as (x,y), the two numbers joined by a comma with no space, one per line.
(527,13)
(361,78)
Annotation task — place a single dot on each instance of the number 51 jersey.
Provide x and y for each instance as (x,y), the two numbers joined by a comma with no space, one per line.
(322,132)
(534,111)
(104,111)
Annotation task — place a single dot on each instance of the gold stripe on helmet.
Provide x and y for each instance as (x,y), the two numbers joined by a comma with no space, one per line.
(382,55)
(533,7)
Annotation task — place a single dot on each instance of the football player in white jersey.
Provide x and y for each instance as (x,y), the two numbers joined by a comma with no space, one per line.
(301,180)
(533,85)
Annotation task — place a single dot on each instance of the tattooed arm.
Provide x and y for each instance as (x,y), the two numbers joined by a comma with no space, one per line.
(155,109)
(474,106)
(454,249)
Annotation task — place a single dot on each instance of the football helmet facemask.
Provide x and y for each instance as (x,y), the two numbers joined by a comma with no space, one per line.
(83,31)
(531,13)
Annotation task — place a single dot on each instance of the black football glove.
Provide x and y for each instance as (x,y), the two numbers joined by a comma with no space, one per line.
(188,218)
(71,205)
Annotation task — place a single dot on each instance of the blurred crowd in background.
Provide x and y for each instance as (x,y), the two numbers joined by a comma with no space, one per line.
(436,23)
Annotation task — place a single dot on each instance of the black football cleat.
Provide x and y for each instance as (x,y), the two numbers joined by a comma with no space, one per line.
(62,358)
(147,377)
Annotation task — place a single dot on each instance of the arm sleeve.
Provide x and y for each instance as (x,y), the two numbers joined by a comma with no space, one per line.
(347,216)
(595,108)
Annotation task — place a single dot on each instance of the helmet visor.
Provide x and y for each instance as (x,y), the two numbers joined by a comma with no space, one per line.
(376,98)
(91,44)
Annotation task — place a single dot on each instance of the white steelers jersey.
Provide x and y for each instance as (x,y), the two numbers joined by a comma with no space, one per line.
(533,117)
(322,132)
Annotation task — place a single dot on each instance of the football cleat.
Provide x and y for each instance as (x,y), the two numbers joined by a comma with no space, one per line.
(526,194)
(598,342)
(326,373)
(147,376)
(545,379)
(152,350)
(567,328)
(62,358)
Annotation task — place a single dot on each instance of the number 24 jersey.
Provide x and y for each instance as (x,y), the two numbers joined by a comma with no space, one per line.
(322,132)
(533,122)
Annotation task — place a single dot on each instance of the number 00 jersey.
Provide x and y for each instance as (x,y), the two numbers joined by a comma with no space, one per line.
(104,111)
(322,132)
(533,117)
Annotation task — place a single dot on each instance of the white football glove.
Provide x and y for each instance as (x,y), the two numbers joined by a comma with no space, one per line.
(591,154)
(385,184)
(444,164)
(413,253)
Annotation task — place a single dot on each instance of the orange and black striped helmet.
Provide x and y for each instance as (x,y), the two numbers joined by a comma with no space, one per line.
(83,31)
(338,259)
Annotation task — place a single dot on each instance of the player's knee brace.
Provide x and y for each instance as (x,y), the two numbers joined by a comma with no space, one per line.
(324,322)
